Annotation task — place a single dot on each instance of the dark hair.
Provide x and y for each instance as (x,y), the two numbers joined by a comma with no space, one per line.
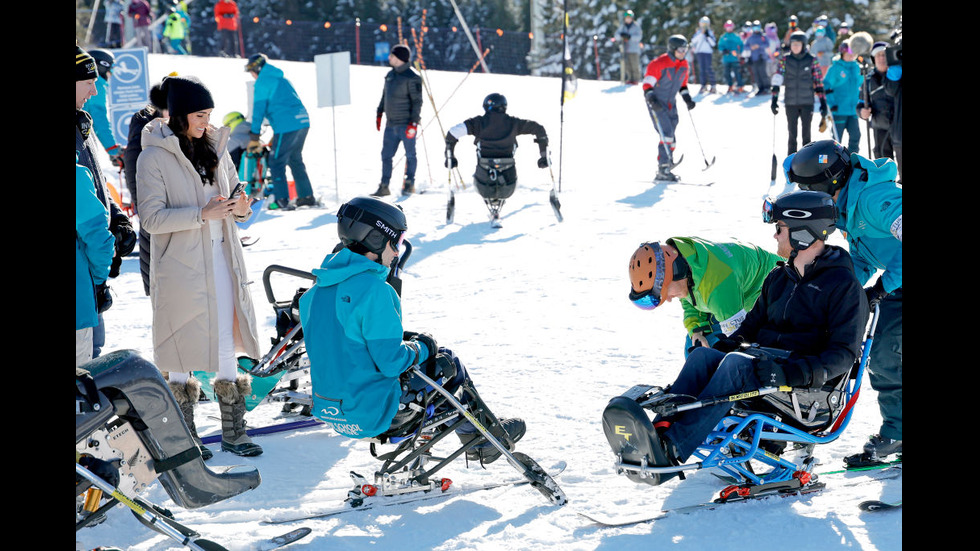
(200,151)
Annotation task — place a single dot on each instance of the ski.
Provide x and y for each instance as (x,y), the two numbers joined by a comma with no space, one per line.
(284,539)
(874,505)
(270,429)
(248,240)
(605,520)
(555,205)
(451,207)
(377,501)
(682,183)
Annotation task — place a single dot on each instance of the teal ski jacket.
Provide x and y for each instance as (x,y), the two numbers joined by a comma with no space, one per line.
(275,99)
(94,247)
(352,323)
(842,85)
(870,214)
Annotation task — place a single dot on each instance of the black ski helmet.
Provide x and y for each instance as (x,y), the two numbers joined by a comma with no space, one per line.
(104,61)
(495,102)
(674,42)
(808,215)
(256,62)
(369,224)
(824,165)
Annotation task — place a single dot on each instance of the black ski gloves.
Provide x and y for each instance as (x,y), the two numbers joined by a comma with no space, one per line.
(126,238)
(823,107)
(686,96)
(769,372)
(774,106)
(728,344)
(103,299)
(875,293)
(651,99)
(451,161)
(542,142)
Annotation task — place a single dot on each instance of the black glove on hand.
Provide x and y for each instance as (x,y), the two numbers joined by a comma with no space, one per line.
(426,340)
(126,238)
(686,96)
(451,161)
(543,162)
(769,372)
(651,100)
(443,367)
(875,293)
(823,108)
(103,299)
(775,105)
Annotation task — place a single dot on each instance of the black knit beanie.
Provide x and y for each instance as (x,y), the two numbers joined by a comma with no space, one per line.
(186,95)
(84,65)
(158,96)
(402,52)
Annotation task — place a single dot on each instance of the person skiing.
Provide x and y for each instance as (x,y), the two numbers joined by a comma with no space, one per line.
(811,306)
(495,136)
(842,86)
(401,103)
(730,45)
(717,283)
(870,205)
(666,76)
(275,99)
(800,75)
(360,356)
(703,43)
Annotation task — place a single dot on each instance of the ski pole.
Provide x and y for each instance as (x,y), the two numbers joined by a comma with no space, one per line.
(707,165)
(775,162)
(146,513)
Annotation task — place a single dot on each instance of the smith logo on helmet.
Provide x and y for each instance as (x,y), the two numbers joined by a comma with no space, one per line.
(391,233)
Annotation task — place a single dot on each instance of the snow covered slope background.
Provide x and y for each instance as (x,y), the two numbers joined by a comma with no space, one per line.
(537,311)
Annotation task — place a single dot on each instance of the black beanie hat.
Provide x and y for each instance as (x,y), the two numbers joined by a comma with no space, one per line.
(84,65)
(186,95)
(158,96)
(402,52)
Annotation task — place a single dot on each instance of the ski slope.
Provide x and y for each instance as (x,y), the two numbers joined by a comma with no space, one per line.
(537,311)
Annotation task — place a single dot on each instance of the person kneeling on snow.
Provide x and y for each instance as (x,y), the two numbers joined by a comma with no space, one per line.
(360,357)
(812,306)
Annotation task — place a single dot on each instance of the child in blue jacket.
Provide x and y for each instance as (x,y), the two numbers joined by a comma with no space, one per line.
(842,85)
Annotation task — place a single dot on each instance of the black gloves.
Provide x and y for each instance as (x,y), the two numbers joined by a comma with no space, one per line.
(442,367)
(769,372)
(823,107)
(774,106)
(126,238)
(652,101)
(543,162)
(875,293)
(103,299)
(451,161)
(686,96)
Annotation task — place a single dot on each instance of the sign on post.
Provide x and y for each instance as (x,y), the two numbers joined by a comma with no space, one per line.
(129,90)
(333,89)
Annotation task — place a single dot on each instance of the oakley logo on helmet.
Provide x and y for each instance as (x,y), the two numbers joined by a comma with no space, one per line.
(796,213)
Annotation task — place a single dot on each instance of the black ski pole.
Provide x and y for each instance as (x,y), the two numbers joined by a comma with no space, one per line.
(775,162)
(707,165)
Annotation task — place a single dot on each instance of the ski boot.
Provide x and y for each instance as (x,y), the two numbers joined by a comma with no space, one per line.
(875,450)
(665,175)
(382,191)
(487,452)
(308,201)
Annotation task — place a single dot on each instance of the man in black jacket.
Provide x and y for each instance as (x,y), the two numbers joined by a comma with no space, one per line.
(800,75)
(812,307)
(85,148)
(495,136)
(876,105)
(401,102)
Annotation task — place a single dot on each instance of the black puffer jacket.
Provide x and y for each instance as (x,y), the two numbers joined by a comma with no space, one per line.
(874,96)
(799,83)
(820,317)
(401,101)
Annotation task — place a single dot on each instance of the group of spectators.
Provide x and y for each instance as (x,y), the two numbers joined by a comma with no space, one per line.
(134,22)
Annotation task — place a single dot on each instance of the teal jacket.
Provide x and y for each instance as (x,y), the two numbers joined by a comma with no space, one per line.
(726,279)
(352,324)
(275,99)
(97,106)
(870,214)
(842,84)
(728,43)
(94,247)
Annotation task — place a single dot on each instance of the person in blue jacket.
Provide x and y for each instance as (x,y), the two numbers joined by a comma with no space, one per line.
(759,55)
(352,324)
(94,249)
(869,202)
(275,99)
(842,86)
(98,106)
(730,45)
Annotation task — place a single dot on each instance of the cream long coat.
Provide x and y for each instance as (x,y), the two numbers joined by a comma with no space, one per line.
(182,293)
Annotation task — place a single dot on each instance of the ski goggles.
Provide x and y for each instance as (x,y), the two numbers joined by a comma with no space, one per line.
(768,210)
(650,298)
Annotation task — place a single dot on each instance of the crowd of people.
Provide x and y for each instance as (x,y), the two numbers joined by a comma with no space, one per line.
(186,188)
(167,28)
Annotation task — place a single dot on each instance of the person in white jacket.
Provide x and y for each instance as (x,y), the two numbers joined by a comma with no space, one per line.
(703,45)
(630,34)
(202,307)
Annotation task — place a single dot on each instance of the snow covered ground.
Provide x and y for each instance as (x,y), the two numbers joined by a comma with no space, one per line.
(537,311)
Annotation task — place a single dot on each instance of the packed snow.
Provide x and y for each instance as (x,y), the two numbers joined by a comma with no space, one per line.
(537,310)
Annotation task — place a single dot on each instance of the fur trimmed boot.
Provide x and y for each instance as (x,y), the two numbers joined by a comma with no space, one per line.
(188,394)
(231,403)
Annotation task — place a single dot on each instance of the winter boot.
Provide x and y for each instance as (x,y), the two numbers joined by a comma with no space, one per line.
(408,187)
(381,191)
(188,394)
(308,201)
(875,450)
(512,429)
(231,403)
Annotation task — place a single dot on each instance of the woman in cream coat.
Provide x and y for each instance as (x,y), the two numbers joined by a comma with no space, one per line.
(202,307)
